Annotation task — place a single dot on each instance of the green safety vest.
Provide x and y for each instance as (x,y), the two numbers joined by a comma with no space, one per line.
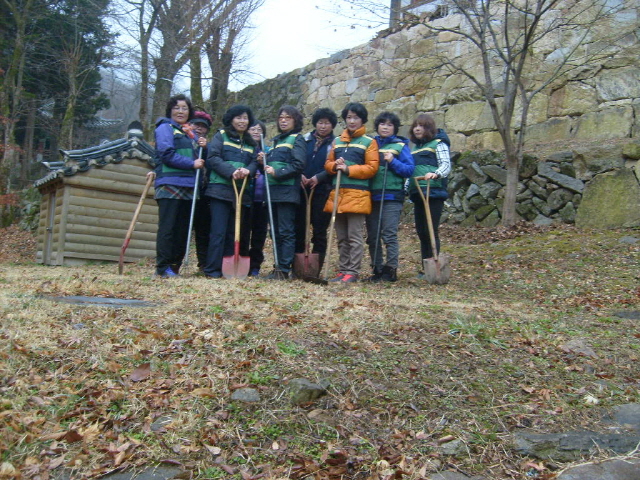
(426,161)
(235,152)
(184,147)
(353,154)
(394,181)
(280,157)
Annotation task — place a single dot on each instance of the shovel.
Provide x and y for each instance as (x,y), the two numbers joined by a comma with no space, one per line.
(276,264)
(236,266)
(185,263)
(437,270)
(325,280)
(307,264)
(136,214)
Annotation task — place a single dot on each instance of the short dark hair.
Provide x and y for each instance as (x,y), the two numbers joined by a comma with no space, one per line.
(327,113)
(262,125)
(298,119)
(429,125)
(234,112)
(388,117)
(173,101)
(356,108)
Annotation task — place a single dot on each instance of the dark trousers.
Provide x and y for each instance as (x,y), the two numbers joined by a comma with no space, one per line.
(435,206)
(319,223)
(171,239)
(221,234)
(254,234)
(284,216)
(202,228)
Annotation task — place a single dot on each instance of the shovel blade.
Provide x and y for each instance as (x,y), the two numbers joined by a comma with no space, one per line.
(306,265)
(235,266)
(437,272)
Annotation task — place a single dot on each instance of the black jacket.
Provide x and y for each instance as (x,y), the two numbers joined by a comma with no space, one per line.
(219,162)
(294,160)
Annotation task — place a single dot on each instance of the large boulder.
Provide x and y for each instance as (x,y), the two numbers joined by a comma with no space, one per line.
(591,159)
(610,200)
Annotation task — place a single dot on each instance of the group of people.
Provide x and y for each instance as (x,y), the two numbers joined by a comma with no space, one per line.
(366,175)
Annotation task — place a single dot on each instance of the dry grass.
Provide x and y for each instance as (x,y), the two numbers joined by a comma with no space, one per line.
(408,364)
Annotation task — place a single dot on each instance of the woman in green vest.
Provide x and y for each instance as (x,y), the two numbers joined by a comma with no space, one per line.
(356,156)
(176,163)
(285,163)
(433,162)
(396,164)
(232,157)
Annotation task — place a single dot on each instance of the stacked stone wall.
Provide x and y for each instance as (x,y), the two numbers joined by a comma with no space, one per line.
(397,72)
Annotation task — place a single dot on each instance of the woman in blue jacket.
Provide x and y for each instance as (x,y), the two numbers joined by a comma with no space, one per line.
(176,162)
(396,164)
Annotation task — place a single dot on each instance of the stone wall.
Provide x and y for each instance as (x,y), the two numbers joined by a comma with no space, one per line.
(396,73)
(603,181)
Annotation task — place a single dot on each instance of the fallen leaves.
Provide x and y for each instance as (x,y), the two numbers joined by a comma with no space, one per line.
(142,372)
(100,390)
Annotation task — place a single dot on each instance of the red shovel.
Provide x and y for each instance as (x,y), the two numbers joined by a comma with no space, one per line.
(236,266)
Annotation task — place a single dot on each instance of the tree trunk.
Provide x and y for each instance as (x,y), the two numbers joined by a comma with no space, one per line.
(509,207)
(221,60)
(143,113)
(196,77)
(28,144)
(11,93)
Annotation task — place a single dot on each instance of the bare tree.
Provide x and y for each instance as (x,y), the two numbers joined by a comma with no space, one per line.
(223,49)
(138,19)
(180,27)
(512,38)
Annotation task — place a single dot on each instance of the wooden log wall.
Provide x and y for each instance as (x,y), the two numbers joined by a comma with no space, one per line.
(93,211)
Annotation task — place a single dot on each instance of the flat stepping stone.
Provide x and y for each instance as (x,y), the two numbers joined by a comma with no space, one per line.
(617,469)
(101,301)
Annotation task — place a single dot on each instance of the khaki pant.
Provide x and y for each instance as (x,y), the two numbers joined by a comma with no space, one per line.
(350,233)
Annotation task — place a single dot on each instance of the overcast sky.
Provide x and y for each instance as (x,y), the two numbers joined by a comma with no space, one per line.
(294,33)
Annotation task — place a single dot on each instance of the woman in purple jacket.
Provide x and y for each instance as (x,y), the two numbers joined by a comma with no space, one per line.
(176,163)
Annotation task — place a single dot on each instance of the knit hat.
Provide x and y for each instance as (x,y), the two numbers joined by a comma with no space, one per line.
(202,117)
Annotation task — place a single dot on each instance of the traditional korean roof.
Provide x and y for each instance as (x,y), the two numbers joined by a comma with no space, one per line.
(74,161)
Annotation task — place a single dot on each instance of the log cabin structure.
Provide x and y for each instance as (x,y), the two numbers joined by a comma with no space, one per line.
(88,202)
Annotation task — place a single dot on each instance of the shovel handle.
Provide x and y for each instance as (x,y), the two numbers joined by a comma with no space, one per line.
(270,208)
(236,234)
(336,196)
(307,231)
(136,214)
(425,200)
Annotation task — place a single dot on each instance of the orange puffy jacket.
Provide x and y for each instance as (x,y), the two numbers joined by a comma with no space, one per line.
(353,200)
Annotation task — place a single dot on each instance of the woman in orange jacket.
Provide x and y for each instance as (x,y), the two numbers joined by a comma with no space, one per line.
(356,156)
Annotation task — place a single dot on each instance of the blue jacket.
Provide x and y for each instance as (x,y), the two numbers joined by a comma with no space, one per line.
(316,161)
(175,155)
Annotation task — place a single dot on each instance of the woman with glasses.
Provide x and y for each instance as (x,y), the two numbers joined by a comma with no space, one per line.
(285,163)
(176,162)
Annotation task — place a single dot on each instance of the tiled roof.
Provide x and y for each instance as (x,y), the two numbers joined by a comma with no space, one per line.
(75,161)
